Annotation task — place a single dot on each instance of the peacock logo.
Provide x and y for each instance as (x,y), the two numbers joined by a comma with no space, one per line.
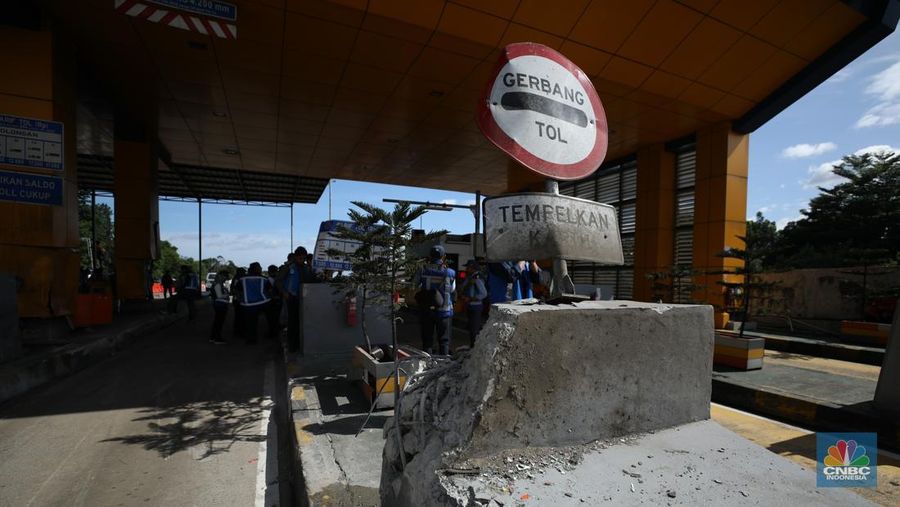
(846,453)
(847,460)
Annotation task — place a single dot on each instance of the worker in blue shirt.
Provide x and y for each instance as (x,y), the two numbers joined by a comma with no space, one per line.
(255,291)
(273,309)
(500,277)
(293,292)
(187,289)
(437,283)
(529,274)
(238,326)
(219,295)
(474,293)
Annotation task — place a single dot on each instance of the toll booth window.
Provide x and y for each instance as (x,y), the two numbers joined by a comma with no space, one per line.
(615,185)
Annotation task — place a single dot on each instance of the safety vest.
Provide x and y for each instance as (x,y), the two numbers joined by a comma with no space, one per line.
(253,290)
(192,282)
(443,279)
(220,294)
(293,281)
(474,290)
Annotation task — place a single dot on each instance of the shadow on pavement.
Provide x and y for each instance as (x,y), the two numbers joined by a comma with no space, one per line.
(206,428)
(347,425)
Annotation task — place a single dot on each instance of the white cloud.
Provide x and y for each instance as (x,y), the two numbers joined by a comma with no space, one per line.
(764,209)
(782,222)
(807,150)
(242,248)
(822,175)
(886,86)
(882,115)
(448,201)
(878,148)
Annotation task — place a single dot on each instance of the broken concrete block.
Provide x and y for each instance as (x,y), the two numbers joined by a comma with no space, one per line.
(551,376)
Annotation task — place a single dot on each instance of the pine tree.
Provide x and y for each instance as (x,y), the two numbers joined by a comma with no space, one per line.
(382,263)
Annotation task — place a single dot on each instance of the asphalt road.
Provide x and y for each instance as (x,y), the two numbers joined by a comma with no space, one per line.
(172,420)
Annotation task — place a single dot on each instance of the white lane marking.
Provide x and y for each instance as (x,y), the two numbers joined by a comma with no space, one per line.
(60,466)
(267,495)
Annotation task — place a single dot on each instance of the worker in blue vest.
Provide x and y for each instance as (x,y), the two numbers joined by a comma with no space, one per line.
(529,274)
(437,284)
(255,293)
(238,326)
(187,289)
(273,309)
(474,292)
(219,295)
(292,288)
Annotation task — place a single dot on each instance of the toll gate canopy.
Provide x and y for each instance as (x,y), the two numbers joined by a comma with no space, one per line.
(265,101)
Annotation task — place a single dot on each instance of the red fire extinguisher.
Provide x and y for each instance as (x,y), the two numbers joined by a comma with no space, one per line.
(351,310)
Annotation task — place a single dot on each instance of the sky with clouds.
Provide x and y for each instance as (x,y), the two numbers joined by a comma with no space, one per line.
(857,110)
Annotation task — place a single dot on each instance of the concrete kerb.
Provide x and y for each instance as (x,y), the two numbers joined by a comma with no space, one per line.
(323,480)
(25,374)
(818,348)
(807,412)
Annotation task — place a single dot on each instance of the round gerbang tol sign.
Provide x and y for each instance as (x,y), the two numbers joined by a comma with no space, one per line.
(543,111)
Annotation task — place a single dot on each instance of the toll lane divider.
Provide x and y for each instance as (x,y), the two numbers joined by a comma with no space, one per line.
(808,413)
(817,348)
(319,471)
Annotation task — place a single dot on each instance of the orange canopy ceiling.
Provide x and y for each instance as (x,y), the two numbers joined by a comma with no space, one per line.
(386,90)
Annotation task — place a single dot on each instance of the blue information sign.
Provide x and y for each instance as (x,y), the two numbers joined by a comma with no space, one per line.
(211,8)
(31,188)
(29,142)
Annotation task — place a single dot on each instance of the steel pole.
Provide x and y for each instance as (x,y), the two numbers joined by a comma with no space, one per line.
(562,284)
(199,238)
(93,226)
(477,212)
(292,227)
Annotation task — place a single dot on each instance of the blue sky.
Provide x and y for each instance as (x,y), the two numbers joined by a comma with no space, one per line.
(856,109)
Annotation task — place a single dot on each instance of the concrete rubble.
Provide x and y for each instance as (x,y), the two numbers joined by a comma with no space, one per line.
(543,386)
(596,402)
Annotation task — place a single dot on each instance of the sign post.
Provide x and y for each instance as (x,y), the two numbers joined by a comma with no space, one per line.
(543,111)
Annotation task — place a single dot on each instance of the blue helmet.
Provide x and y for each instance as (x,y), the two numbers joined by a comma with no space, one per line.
(437,252)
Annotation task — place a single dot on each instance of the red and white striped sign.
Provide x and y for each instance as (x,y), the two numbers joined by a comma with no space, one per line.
(175,19)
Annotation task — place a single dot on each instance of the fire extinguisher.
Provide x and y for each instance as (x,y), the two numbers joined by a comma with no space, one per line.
(351,310)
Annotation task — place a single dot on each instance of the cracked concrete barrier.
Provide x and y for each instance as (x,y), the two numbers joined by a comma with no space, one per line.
(549,376)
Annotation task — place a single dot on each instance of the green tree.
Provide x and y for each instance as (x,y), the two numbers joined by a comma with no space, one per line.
(860,214)
(169,260)
(765,239)
(759,245)
(675,285)
(382,263)
(103,228)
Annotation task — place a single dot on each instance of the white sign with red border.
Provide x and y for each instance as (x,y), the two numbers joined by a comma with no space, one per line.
(168,12)
(543,111)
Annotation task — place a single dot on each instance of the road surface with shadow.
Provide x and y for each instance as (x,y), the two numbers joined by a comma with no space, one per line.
(172,420)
